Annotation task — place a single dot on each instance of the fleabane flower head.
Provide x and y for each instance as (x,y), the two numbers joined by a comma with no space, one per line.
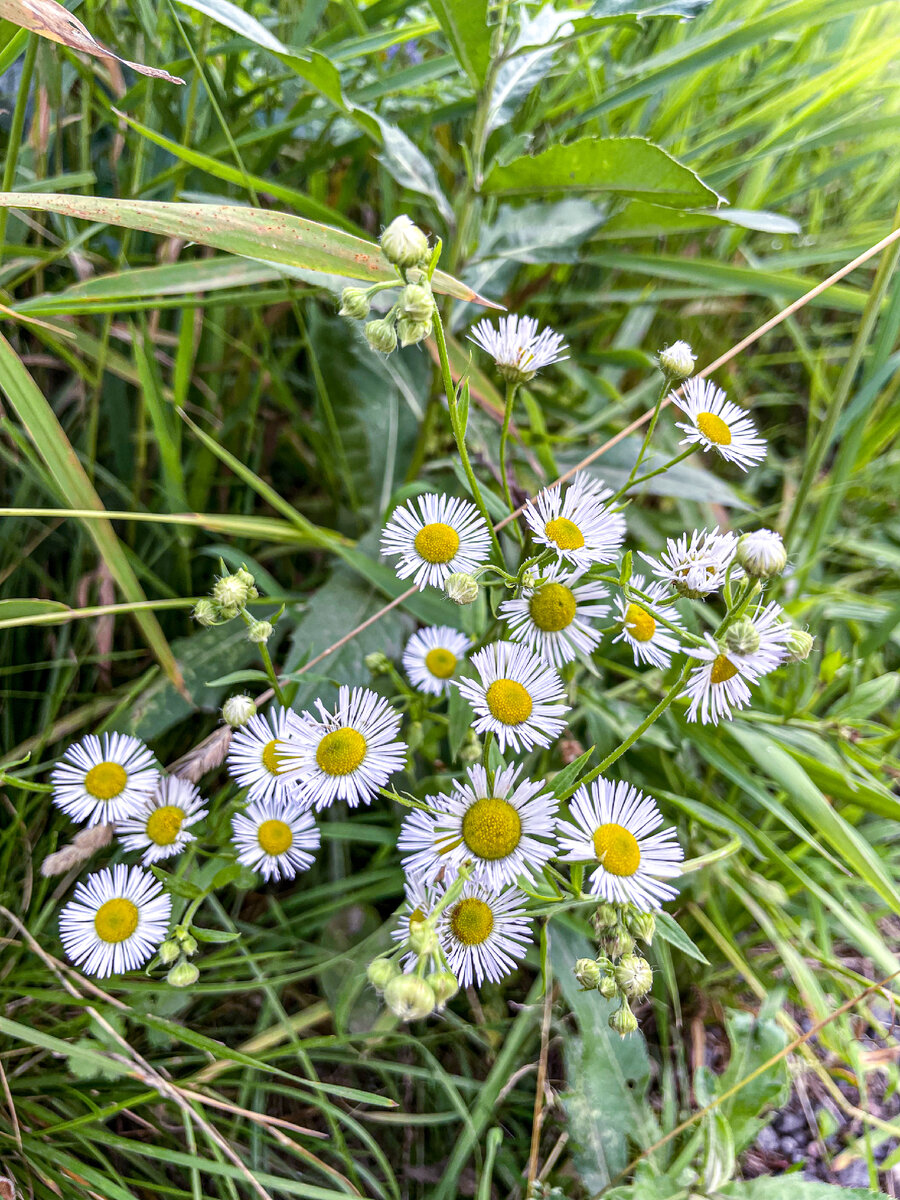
(695,564)
(717,424)
(275,838)
(116,921)
(484,935)
(260,754)
(746,652)
(105,778)
(555,618)
(434,537)
(503,830)
(420,899)
(616,826)
(347,754)
(431,657)
(577,525)
(518,697)
(162,826)
(762,553)
(519,351)
(640,628)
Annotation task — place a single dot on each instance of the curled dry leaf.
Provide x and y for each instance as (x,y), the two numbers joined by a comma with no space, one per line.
(51,20)
(85,844)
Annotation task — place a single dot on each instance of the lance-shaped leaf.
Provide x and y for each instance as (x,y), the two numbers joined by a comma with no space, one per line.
(275,237)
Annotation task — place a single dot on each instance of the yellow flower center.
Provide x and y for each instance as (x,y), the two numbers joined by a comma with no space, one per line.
(271,759)
(441,663)
(723,669)
(639,624)
(116,920)
(564,533)
(164,824)
(617,849)
(491,828)
(509,702)
(552,607)
(274,837)
(106,780)
(714,428)
(341,751)
(472,921)
(416,917)
(437,543)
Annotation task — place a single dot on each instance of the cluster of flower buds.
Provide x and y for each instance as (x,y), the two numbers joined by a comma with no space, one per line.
(619,972)
(229,597)
(409,321)
(411,997)
(175,952)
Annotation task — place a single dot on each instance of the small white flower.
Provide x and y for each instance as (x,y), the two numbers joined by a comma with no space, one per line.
(432,655)
(420,899)
(350,753)
(614,825)
(695,565)
(518,350)
(276,839)
(554,619)
(722,683)
(519,698)
(260,754)
(577,526)
(483,935)
(501,829)
(162,825)
(717,424)
(650,641)
(116,921)
(436,536)
(762,553)
(102,779)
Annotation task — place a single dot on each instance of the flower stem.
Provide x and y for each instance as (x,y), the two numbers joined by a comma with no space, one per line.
(632,483)
(504,438)
(667,383)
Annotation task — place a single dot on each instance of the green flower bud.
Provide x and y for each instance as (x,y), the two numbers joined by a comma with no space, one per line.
(799,646)
(403,243)
(188,944)
(643,926)
(246,578)
(237,710)
(470,750)
(634,976)
(417,302)
(378,663)
(677,361)
(623,1021)
(761,554)
(409,997)
(230,593)
(444,984)
(461,588)
(381,336)
(205,613)
(742,637)
(168,952)
(412,332)
(354,303)
(588,973)
(380,972)
(423,939)
(608,988)
(259,632)
(618,942)
(606,917)
(182,975)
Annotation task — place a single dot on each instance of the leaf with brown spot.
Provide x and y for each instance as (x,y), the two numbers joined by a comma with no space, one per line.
(52,21)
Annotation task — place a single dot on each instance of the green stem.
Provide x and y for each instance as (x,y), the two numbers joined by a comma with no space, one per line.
(504,438)
(659,471)
(667,383)
(15,133)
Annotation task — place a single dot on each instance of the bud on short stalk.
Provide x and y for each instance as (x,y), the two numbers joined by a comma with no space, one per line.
(761,554)
(461,588)
(354,303)
(409,997)
(380,972)
(677,361)
(182,975)
(381,336)
(205,613)
(799,646)
(444,984)
(403,243)
(378,663)
(623,1021)
(588,973)
(634,976)
(237,710)
(412,332)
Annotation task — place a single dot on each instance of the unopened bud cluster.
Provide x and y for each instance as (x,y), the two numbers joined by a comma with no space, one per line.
(177,950)
(411,997)
(619,972)
(229,596)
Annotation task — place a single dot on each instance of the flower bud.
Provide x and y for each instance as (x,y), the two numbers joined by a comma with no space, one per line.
(354,303)
(417,302)
(677,361)
(230,593)
(168,952)
(381,336)
(588,973)
(205,613)
(606,917)
(623,1021)
(444,984)
(247,579)
(259,632)
(378,663)
(799,646)
(761,554)
(423,938)
(618,942)
(403,243)
(643,926)
(409,997)
(188,943)
(461,588)
(608,988)
(412,332)
(470,750)
(742,637)
(380,972)
(237,710)
(183,975)
(634,976)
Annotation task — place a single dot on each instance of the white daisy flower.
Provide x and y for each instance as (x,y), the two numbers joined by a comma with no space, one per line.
(432,655)
(161,827)
(116,921)
(500,829)
(578,527)
(420,899)
(614,824)
(519,698)
(483,935)
(518,350)
(554,619)
(436,536)
(717,424)
(105,778)
(695,565)
(350,753)
(260,754)
(748,650)
(650,641)
(276,839)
